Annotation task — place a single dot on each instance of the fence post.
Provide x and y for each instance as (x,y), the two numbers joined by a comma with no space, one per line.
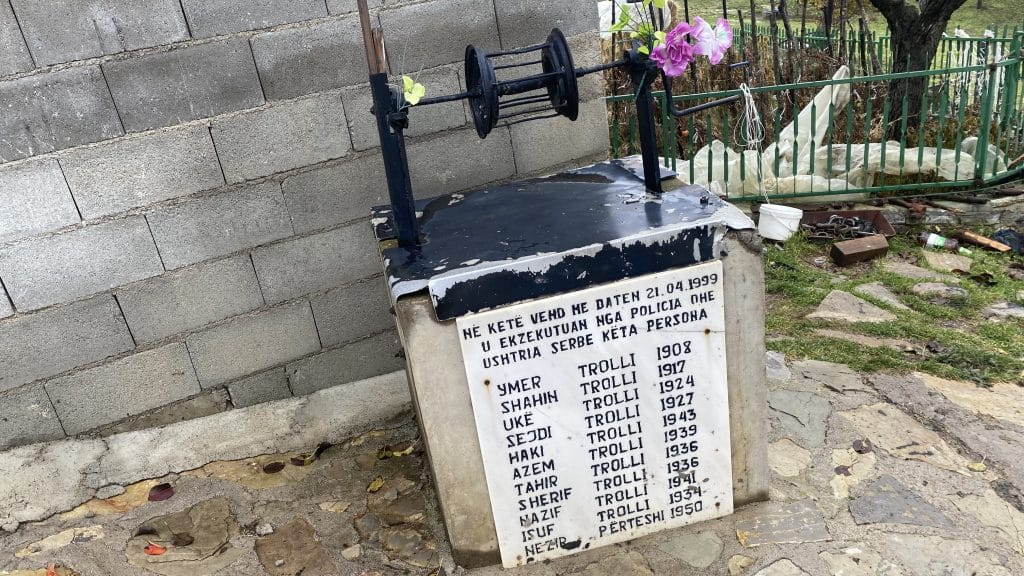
(1012,78)
(985,126)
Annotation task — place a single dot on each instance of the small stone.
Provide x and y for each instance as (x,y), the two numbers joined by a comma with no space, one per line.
(407,509)
(336,506)
(294,544)
(1000,400)
(886,500)
(938,556)
(843,306)
(858,561)
(264,528)
(1003,310)
(352,553)
(367,526)
(991,510)
(787,458)
(802,416)
(836,377)
(946,262)
(60,540)
(697,550)
(878,291)
(852,468)
(784,567)
(904,437)
(411,546)
(917,273)
(1020,296)
(783,523)
(939,290)
(738,564)
(776,367)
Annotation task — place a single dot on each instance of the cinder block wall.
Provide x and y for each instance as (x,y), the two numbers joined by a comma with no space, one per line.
(184,190)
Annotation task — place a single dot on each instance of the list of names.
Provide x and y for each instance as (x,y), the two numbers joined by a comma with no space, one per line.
(602,414)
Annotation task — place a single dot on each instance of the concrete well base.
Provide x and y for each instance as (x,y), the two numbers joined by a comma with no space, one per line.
(440,394)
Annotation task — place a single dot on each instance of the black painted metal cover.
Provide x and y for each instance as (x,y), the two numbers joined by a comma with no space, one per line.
(527,239)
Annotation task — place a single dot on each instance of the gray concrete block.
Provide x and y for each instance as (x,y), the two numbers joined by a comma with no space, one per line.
(139,171)
(125,387)
(336,194)
(313,58)
(27,417)
(67,30)
(253,343)
(433,33)
(189,299)
(436,118)
(214,17)
(217,225)
(289,135)
(56,340)
(206,403)
(55,111)
(459,160)
(346,6)
(541,145)
(527,22)
(315,263)
(353,312)
(265,387)
(34,198)
(169,88)
(6,309)
(14,56)
(45,271)
(359,360)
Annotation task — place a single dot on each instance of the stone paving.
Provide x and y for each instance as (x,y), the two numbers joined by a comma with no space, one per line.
(872,475)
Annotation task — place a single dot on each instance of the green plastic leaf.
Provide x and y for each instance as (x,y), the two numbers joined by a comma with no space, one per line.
(659,36)
(414,91)
(623,22)
(659,4)
(643,50)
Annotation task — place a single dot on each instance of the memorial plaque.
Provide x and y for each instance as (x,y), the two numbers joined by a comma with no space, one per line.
(602,414)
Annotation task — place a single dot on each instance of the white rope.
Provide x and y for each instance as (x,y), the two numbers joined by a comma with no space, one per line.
(753,132)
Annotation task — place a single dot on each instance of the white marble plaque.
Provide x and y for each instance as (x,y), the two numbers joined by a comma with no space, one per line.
(603,414)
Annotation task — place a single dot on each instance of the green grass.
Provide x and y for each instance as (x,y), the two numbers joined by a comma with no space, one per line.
(969,17)
(970,347)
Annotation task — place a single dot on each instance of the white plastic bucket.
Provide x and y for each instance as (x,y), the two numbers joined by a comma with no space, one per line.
(778,222)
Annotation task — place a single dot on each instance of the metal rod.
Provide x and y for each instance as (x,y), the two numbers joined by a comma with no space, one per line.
(534,111)
(530,63)
(555,115)
(373,56)
(533,48)
(396,164)
(599,68)
(523,101)
(530,80)
(448,98)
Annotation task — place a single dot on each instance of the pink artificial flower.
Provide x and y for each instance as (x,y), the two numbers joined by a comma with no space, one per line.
(676,53)
(712,42)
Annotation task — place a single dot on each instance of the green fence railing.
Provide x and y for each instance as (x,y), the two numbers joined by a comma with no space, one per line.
(848,135)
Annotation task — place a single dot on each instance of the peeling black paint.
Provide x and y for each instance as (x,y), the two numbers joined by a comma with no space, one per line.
(610,263)
(490,229)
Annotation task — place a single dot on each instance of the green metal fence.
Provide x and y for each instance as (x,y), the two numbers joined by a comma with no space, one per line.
(970,133)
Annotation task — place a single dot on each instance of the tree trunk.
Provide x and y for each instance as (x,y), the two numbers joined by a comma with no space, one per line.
(912,50)
(916,33)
